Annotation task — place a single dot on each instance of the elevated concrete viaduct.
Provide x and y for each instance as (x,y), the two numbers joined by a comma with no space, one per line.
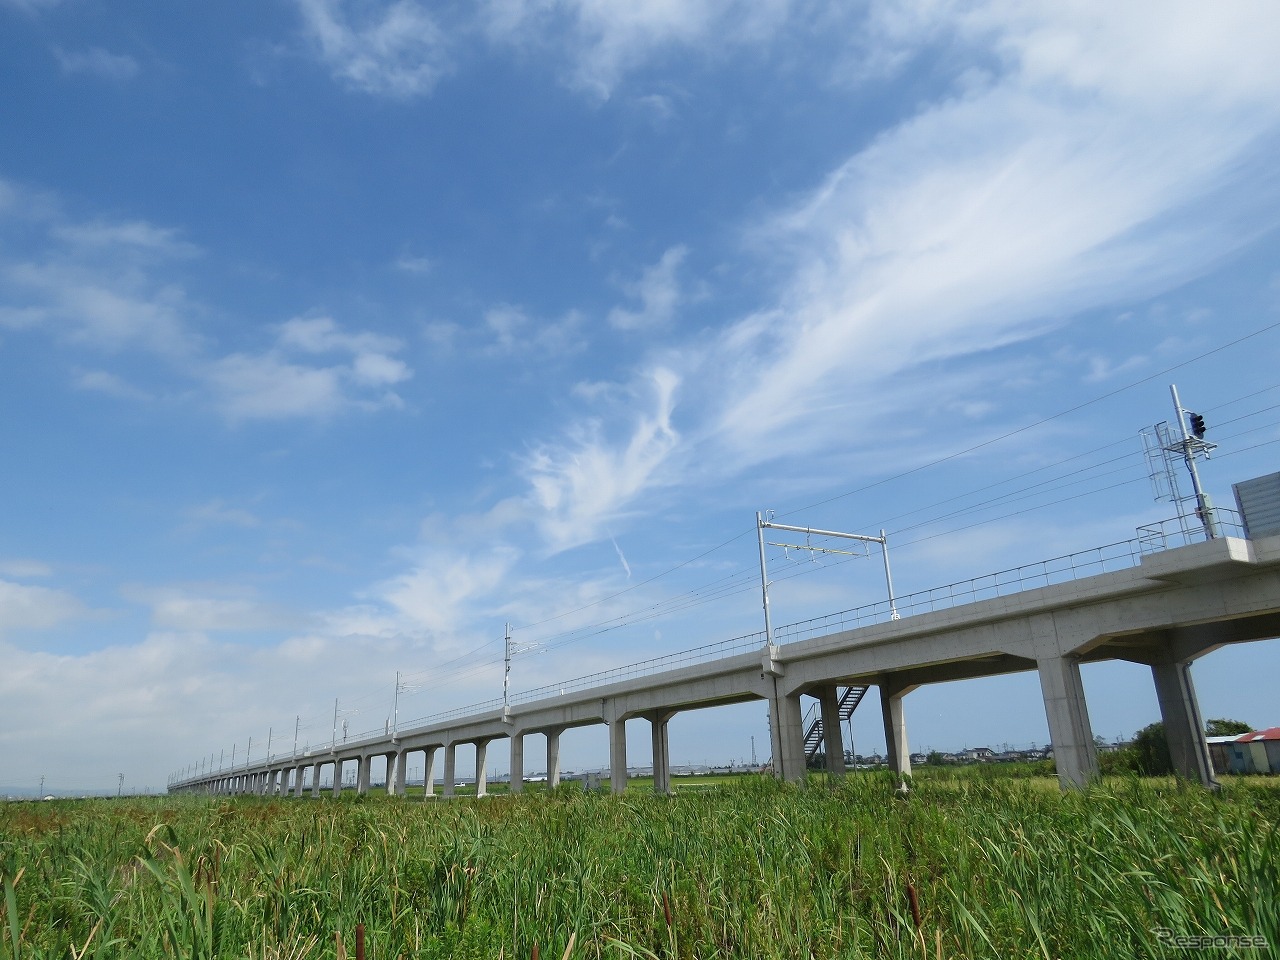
(1166,611)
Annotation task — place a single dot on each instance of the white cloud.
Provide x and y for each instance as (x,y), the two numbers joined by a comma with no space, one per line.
(446,589)
(92,283)
(605,39)
(658,291)
(1081,174)
(393,49)
(416,265)
(135,235)
(210,610)
(514,331)
(580,485)
(101,381)
(24,607)
(25,568)
(217,513)
(272,385)
(31,6)
(97,62)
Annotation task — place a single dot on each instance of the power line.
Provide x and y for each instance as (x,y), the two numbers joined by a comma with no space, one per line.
(1038,423)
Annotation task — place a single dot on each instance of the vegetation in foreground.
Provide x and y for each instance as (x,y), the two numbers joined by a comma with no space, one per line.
(972,867)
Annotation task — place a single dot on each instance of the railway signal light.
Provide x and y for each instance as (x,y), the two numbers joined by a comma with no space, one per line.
(1197,425)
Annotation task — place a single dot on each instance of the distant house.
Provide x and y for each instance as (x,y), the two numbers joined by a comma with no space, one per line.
(1256,752)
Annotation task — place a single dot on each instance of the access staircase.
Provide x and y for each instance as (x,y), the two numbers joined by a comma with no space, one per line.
(850,697)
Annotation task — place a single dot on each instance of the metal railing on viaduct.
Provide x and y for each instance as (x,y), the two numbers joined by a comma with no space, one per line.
(1163,609)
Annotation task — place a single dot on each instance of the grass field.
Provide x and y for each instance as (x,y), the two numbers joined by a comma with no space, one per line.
(967,866)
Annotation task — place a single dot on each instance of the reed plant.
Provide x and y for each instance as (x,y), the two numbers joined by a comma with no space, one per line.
(972,867)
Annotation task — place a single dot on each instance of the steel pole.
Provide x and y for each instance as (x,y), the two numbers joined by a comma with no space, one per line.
(888,576)
(1202,508)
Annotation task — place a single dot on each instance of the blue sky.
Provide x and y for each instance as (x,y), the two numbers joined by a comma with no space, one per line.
(335,335)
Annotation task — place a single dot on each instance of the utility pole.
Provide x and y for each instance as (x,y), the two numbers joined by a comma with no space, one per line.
(42,786)
(506,672)
(269,729)
(120,786)
(1190,448)
(296,723)
(395,707)
(334,745)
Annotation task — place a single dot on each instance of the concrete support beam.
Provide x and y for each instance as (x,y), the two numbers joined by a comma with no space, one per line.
(482,775)
(553,759)
(661,752)
(832,743)
(364,766)
(895,726)
(299,780)
(1183,726)
(429,773)
(517,761)
(399,762)
(315,779)
(450,759)
(1068,715)
(337,778)
(618,755)
(786,730)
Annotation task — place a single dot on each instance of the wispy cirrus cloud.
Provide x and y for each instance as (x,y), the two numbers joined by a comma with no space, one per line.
(394,49)
(658,291)
(603,40)
(115,288)
(582,483)
(1103,155)
(1087,169)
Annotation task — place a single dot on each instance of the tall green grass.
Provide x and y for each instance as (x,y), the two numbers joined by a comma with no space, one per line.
(962,868)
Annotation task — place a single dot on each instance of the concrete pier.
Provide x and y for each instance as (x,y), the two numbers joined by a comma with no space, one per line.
(1183,726)
(618,755)
(517,761)
(832,740)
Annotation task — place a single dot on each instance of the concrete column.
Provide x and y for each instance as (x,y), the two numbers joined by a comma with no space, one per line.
(364,772)
(1068,715)
(429,773)
(482,775)
(553,759)
(618,755)
(337,778)
(517,761)
(400,761)
(315,779)
(450,759)
(895,727)
(661,752)
(299,780)
(1183,727)
(786,730)
(832,742)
